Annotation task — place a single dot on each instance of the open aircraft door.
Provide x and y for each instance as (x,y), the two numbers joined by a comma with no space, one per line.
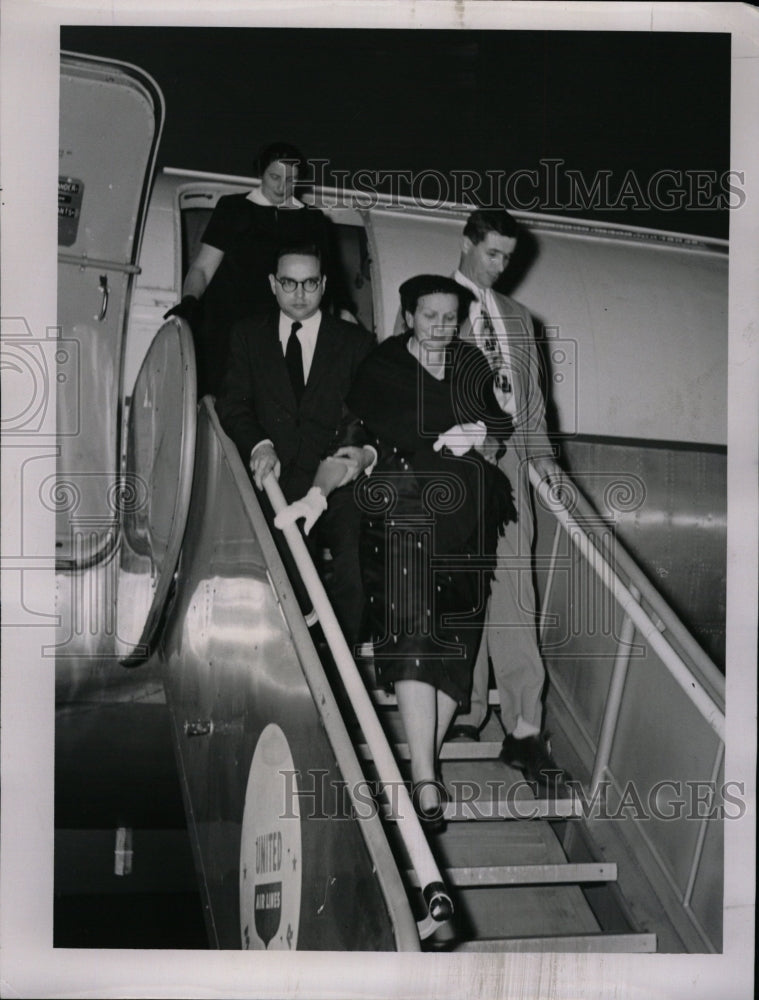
(155,487)
(110,122)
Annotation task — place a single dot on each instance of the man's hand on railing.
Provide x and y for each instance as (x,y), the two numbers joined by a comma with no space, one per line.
(310,508)
(461,437)
(263,460)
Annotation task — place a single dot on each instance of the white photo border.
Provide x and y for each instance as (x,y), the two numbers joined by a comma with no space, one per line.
(29,65)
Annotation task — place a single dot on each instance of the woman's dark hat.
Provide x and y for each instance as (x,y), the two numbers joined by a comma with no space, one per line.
(420,285)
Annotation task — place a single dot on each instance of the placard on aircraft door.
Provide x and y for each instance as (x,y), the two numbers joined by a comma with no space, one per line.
(110,121)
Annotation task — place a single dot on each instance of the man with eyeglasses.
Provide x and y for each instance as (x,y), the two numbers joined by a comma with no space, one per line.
(502,328)
(283,406)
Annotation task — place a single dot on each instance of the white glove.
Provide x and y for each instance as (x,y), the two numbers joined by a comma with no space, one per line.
(461,437)
(310,508)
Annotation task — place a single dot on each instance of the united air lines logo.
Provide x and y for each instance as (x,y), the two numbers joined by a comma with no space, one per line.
(270,850)
(267,905)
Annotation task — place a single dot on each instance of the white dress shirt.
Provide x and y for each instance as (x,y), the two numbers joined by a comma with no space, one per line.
(309,330)
(307,335)
(259,198)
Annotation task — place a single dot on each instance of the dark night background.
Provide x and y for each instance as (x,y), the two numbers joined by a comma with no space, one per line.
(445,100)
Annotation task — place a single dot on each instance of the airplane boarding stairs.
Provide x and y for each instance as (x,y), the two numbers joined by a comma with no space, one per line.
(512,885)
(265,719)
(508,877)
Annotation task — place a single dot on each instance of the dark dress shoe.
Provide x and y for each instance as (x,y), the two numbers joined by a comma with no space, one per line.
(431,818)
(464,732)
(532,757)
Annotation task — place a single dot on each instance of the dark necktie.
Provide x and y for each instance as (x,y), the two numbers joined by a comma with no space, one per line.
(294,362)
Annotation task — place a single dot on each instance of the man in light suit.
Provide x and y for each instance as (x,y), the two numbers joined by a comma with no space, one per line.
(503,330)
(283,406)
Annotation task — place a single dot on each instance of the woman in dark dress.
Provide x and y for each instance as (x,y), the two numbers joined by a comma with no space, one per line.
(228,278)
(431,512)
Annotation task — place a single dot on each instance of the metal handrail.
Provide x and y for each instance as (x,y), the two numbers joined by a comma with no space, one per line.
(401,809)
(545,476)
(614,699)
(406,928)
(581,508)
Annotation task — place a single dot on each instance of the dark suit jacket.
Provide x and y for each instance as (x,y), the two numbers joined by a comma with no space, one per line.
(258,401)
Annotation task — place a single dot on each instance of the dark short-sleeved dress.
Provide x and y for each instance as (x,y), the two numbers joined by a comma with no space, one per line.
(430,521)
(250,236)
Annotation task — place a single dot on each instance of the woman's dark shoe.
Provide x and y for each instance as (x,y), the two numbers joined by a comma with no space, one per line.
(432,818)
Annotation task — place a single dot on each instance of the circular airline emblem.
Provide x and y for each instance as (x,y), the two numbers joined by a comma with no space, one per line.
(270,848)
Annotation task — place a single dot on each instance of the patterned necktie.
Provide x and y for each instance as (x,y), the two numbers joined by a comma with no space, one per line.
(492,351)
(294,362)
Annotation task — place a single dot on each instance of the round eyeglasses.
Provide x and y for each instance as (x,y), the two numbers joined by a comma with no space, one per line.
(290,284)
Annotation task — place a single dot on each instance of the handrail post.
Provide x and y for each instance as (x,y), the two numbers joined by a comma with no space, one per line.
(698,847)
(613,698)
(435,895)
(549,580)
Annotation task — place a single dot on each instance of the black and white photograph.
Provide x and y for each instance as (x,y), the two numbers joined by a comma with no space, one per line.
(379,550)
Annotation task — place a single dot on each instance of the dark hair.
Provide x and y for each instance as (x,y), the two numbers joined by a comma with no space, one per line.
(301,249)
(490,220)
(283,152)
(420,285)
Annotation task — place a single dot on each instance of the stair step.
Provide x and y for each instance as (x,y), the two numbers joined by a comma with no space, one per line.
(608,943)
(365,663)
(457,750)
(496,792)
(489,745)
(494,844)
(384,699)
(525,875)
(515,809)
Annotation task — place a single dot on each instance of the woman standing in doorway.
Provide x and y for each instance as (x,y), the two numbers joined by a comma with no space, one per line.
(228,279)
